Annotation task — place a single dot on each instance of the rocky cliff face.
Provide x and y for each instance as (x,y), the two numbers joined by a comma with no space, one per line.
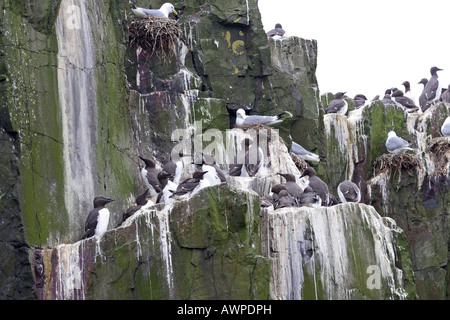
(73,125)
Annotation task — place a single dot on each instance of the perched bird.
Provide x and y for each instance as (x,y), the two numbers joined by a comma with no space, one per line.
(291,185)
(277,32)
(285,200)
(235,168)
(404,101)
(445,96)
(431,90)
(338,105)
(163,12)
(141,202)
(332,201)
(348,191)
(317,185)
(98,219)
(243,120)
(422,98)
(254,157)
(215,175)
(396,144)
(309,197)
(303,153)
(164,178)
(408,93)
(150,176)
(165,195)
(387,98)
(190,186)
(175,169)
(359,100)
(445,129)
(275,191)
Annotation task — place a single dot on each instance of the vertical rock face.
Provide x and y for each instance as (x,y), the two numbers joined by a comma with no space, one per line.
(207,247)
(343,252)
(416,198)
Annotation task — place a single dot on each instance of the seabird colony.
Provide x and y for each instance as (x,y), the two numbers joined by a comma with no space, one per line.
(167,185)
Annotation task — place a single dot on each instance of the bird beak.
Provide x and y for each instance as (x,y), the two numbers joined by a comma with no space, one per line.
(175,12)
(109,200)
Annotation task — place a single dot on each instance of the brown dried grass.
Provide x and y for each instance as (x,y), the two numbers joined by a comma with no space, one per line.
(157,35)
(439,150)
(398,162)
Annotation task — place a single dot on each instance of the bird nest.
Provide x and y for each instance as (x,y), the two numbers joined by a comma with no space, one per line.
(439,150)
(299,162)
(398,162)
(157,35)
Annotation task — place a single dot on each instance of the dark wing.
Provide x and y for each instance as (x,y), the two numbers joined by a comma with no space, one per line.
(335,106)
(91,223)
(130,211)
(320,188)
(187,186)
(431,89)
(220,173)
(406,102)
(152,177)
(171,168)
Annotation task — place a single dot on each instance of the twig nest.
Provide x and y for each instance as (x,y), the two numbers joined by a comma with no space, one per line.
(439,150)
(390,162)
(157,35)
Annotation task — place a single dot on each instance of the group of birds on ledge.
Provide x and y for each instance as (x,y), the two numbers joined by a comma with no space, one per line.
(166,184)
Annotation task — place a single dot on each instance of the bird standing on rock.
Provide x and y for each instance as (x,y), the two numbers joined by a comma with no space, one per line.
(291,185)
(338,105)
(317,185)
(276,33)
(190,186)
(141,201)
(98,219)
(348,191)
(150,176)
(431,91)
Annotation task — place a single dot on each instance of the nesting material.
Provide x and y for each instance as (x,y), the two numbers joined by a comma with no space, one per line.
(299,163)
(157,35)
(398,162)
(439,150)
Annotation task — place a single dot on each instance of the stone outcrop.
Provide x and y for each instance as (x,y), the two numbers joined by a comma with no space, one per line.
(207,247)
(73,125)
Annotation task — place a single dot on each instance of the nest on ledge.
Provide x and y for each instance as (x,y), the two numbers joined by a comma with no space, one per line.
(388,162)
(299,162)
(157,35)
(439,150)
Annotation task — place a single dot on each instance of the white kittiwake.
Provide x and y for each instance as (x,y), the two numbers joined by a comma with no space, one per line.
(163,12)
(445,129)
(395,144)
(243,120)
(303,153)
